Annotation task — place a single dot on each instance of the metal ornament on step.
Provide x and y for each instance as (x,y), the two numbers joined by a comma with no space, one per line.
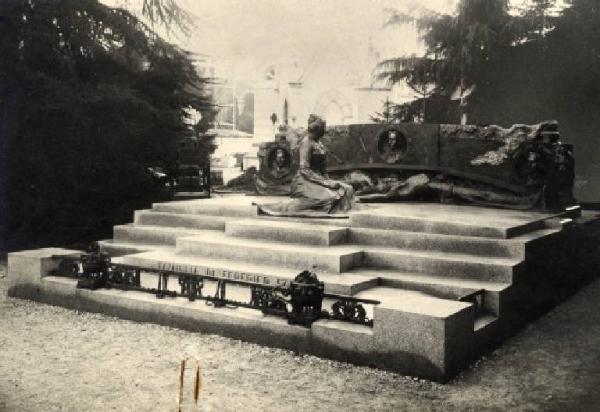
(270,301)
(219,300)
(306,297)
(300,302)
(191,286)
(126,279)
(349,311)
(93,268)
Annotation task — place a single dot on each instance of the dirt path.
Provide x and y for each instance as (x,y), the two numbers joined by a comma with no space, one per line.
(55,359)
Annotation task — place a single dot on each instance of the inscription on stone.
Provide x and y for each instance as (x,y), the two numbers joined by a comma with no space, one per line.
(223,274)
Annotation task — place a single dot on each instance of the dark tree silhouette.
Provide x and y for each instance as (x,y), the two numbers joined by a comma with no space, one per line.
(89,98)
(520,66)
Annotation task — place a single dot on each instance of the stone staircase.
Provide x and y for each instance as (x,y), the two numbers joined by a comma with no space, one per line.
(424,254)
(419,260)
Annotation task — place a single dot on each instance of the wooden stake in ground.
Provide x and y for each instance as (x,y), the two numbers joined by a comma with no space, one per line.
(197,383)
(181,374)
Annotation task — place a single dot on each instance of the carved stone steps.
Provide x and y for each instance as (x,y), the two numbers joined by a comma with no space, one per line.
(439,225)
(120,248)
(337,258)
(451,265)
(441,286)
(432,241)
(231,212)
(296,232)
(217,245)
(412,301)
(189,221)
(261,273)
(420,328)
(159,235)
(407,216)
(209,207)
(337,222)
(287,232)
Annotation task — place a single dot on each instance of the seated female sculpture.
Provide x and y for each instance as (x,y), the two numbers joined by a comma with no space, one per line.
(312,192)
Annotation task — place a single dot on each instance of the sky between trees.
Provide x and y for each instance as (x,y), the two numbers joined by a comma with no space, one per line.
(247,35)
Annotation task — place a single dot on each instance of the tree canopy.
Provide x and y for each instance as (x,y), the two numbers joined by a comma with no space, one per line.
(459,48)
(507,66)
(90,97)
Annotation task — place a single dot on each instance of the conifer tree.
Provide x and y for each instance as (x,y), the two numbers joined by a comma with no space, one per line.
(90,97)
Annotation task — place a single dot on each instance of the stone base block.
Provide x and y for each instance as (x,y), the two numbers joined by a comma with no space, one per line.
(29,266)
(427,341)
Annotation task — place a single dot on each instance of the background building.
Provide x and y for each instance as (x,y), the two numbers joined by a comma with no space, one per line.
(292,90)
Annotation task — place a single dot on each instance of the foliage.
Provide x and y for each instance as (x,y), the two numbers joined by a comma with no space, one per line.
(554,76)
(168,13)
(539,62)
(460,49)
(398,113)
(244,182)
(434,108)
(90,97)
(161,13)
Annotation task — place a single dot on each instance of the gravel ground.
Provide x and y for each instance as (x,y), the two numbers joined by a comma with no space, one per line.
(55,359)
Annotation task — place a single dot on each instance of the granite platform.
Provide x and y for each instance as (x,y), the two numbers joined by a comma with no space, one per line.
(417,259)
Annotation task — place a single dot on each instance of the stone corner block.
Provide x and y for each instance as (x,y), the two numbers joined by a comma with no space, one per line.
(29,266)
(433,346)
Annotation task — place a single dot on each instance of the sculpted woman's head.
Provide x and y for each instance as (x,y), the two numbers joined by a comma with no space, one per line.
(316,125)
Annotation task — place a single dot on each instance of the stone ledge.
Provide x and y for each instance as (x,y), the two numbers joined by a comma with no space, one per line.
(287,232)
(345,284)
(29,266)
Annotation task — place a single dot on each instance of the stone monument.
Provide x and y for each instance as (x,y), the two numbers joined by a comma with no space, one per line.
(521,167)
(421,288)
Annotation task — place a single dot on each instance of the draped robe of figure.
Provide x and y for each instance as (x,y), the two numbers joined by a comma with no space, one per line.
(313,194)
